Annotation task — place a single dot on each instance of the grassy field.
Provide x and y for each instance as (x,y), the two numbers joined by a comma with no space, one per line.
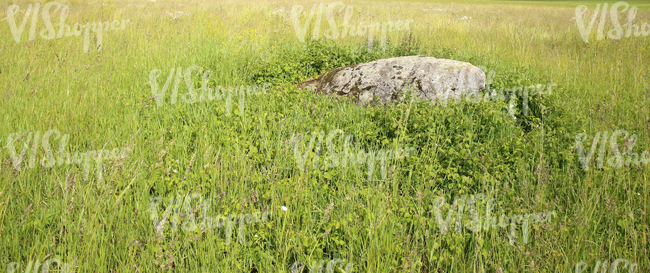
(237,149)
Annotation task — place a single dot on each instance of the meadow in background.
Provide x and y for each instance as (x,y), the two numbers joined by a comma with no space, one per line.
(244,162)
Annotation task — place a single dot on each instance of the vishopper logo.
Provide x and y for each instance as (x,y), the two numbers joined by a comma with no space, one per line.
(50,33)
(347,29)
(50,161)
(615,33)
(631,268)
(189,220)
(207,93)
(478,223)
(49,264)
(298,267)
(618,159)
(345,156)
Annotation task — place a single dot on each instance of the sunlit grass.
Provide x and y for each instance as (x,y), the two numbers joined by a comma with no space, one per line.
(244,163)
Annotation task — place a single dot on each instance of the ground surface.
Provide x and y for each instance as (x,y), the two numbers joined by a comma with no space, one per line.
(238,151)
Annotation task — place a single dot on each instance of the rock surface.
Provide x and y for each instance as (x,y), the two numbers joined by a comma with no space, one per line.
(432,78)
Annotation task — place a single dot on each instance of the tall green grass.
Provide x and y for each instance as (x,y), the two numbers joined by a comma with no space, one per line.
(245,163)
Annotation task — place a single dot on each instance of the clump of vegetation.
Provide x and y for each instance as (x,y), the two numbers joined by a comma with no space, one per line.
(238,152)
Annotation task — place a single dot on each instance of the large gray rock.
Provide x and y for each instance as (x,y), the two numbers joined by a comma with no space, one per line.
(431,77)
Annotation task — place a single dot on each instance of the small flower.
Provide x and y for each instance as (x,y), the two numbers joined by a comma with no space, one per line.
(329,208)
(284,208)
(327,232)
(175,170)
